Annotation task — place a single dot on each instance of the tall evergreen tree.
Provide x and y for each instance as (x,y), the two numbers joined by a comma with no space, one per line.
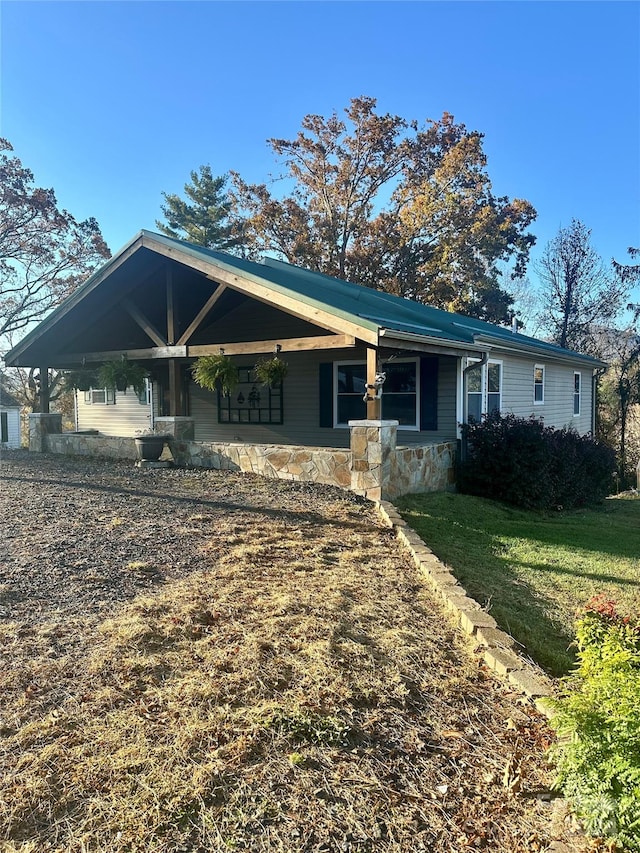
(203,218)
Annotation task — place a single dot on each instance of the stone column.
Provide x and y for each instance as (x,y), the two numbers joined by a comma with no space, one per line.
(373,447)
(42,424)
(181,431)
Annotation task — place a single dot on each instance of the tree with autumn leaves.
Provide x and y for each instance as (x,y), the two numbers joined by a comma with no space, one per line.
(380,201)
(45,253)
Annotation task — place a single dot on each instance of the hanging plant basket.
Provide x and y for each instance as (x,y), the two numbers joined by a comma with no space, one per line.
(122,374)
(82,379)
(216,373)
(271,371)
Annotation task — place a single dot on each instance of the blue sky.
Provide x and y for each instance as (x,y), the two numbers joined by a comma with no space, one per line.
(111,103)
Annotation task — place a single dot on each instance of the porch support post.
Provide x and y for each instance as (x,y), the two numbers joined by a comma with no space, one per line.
(44,390)
(373,463)
(176,395)
(41,425)
(374,403)
(171,313)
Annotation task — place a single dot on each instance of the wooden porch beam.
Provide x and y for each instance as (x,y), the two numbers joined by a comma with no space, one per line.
(200,316)
(320,342)
(136,314)
(286,345)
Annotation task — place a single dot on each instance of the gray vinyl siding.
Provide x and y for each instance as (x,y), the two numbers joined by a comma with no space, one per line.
(301,406)
(124,418)
(557,408)
(13,428)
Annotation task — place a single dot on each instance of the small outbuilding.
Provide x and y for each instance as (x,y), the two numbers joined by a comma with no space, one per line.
(9,420)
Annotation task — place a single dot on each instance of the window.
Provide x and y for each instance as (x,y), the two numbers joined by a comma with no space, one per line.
(400,396)
(4,426)
(484,390)
(577,381)
(538,384)
(251,402)
(144,397)
(100,397)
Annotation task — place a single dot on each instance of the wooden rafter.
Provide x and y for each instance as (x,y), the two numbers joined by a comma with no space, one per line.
(200,316)
(146,325)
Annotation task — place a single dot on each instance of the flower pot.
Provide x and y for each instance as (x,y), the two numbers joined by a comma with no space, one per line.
(150,447)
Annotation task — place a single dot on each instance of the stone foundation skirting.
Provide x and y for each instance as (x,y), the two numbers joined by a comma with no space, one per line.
(330,466)
(415,469)
(83,444)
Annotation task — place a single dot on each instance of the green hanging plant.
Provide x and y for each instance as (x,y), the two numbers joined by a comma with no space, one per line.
(81,379)
(215,373)
(121,374)
(271,371)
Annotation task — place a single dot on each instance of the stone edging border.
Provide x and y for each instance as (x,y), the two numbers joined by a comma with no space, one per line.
(500,652)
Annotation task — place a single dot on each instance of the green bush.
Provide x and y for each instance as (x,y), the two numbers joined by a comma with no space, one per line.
(522,462)
(597,719)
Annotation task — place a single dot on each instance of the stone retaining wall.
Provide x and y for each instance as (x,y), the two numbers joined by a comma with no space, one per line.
(331,466)
(79,444)
(362,469)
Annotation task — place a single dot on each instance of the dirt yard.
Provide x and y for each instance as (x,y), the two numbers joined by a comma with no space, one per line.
(207,661)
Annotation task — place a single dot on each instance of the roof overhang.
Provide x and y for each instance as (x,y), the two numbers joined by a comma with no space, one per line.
(520,347)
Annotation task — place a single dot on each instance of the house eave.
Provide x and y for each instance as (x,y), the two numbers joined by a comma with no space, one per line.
(518,347)
(443,346)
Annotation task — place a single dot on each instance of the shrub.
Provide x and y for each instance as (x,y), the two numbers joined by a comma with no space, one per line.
(522,462)
(597,719)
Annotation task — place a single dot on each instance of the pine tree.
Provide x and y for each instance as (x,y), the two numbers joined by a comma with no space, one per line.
(203,219)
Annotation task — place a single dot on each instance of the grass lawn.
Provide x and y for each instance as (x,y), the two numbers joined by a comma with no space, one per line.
(533,571)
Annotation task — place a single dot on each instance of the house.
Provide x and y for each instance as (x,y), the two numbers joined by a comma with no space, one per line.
(163,303)
(9,420)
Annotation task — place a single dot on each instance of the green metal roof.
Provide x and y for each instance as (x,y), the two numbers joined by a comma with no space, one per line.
(366,308)
(375,309)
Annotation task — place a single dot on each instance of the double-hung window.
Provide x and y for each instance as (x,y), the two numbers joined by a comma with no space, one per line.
(538,384)
(100,397)
(577,383)
(400,392)
(484,390)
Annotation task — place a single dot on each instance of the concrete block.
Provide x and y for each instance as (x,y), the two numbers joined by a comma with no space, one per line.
(471,620)
(442,579)
(460,601)
(502,660)
(530,682)
(495,637)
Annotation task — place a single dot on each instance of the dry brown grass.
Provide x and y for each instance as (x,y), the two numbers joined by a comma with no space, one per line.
(300,691)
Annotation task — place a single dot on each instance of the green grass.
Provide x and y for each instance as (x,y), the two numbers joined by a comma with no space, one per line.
(534,571)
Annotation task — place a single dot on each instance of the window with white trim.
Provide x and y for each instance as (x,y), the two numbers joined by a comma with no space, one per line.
(538,384)
(100,397)
(400,392)
(144,397)
(577,388)
(484,390)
